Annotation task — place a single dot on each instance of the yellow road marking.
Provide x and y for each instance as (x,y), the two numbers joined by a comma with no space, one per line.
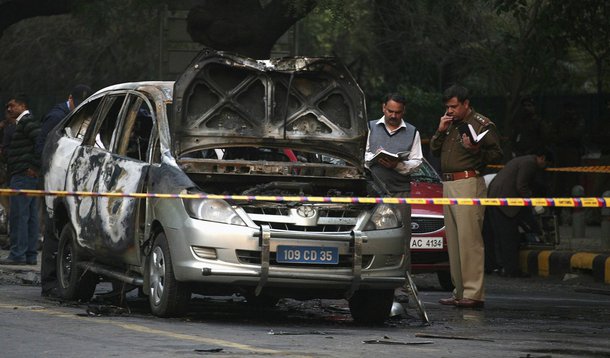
(143,329)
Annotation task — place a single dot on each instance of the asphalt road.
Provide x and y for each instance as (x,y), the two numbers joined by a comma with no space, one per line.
(533,317)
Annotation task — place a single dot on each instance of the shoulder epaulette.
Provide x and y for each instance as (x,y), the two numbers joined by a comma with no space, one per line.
(483,120)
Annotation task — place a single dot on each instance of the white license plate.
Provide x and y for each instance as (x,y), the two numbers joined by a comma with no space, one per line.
(430,243)
(307,255)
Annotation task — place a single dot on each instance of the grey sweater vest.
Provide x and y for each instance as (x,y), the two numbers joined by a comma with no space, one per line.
(400,141)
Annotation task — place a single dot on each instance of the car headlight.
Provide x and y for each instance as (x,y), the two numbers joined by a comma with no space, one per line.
(385,217)
(212,210)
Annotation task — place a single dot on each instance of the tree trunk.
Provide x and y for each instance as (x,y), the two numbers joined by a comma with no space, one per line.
(599,65)
(13,11)
(246,27)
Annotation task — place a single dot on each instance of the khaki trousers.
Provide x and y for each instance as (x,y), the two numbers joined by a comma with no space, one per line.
(463,226)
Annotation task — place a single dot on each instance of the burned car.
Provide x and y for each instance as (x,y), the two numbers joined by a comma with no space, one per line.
(226,156)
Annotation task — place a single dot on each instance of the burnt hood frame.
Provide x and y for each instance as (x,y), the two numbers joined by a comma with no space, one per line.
(223,99)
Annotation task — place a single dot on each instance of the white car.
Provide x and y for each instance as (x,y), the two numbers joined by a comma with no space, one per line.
(229,126)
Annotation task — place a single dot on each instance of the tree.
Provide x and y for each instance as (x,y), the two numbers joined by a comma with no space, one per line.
(13,11)
(586,24)
(249,27)
(105,42)
(512,56)
(49,55)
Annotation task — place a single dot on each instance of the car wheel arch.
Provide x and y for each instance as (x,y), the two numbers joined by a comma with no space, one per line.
(174,295)
(155,229)
(60,218)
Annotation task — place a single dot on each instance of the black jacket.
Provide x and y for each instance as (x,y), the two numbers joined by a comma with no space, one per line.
(48,122)
(20,154)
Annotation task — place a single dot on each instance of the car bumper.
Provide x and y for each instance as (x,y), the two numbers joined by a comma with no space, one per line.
(372,259)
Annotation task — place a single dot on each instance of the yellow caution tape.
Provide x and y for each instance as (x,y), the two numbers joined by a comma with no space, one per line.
(604,169)
(560,202)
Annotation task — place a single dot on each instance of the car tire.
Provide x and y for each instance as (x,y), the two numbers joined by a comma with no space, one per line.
(371,306)
(73,283)
(167,296)
(444,279)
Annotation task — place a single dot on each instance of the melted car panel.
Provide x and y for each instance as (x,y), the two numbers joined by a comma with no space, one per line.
(224,98)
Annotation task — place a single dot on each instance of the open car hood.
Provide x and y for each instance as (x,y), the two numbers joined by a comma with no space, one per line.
(224,99)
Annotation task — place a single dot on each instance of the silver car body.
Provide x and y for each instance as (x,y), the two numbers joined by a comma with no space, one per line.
(228,127)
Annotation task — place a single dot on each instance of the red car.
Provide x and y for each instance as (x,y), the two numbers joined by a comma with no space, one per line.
(428,240)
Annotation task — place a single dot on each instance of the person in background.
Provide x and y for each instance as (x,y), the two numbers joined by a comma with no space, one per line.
(48,270)
(527,129)
(392,134)
(462,163)
(7,127)
(78,94)
(515,180)
(23,166)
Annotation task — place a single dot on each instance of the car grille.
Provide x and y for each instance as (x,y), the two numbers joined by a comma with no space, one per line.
(425,225)
(254,257)
(332,218)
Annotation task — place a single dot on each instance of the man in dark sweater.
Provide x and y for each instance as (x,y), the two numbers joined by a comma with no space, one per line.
(392,134)
(48,269)
(23,167)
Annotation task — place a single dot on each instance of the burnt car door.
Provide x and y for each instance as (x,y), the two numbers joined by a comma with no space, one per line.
(125,169)
(85,166)
(59,150)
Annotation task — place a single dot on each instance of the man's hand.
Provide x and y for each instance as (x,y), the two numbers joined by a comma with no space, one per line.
(445,122)
(389,163)
(468,145)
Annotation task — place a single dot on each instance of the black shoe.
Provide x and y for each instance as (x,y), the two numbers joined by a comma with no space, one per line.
(31,262)
(9,261)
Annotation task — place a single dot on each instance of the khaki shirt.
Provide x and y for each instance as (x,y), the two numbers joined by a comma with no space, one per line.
(455,158)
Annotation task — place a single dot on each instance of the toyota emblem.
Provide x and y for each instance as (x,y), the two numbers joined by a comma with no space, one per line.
(414,226)
(306,211)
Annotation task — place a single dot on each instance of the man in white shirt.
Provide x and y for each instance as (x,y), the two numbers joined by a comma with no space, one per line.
(392,134)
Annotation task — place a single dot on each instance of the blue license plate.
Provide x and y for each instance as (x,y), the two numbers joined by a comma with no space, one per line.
(307,255)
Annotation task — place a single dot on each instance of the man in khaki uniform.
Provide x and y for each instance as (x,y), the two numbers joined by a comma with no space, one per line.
(462,161)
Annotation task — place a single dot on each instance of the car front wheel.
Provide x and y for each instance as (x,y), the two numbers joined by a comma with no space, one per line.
(167,296)
(73,282)
(371,306)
